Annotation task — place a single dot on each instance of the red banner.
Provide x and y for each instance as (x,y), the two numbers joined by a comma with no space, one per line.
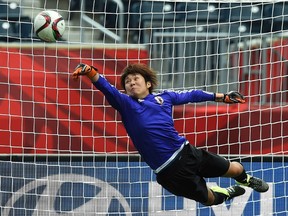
(44,111)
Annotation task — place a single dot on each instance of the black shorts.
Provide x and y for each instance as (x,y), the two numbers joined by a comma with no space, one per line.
(185,175)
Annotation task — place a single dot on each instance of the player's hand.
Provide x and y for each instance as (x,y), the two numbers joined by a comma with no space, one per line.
(84,69)
(233,97)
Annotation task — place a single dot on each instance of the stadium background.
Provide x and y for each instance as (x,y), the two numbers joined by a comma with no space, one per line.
(53,126)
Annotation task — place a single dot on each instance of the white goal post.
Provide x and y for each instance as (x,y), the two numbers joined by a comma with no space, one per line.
(63,148)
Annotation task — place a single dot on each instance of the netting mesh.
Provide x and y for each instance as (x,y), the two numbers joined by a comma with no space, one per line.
(64,149)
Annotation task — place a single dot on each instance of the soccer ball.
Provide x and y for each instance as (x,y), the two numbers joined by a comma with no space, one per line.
(49,26)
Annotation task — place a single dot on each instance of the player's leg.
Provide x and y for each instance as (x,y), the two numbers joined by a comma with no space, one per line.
(216,166)
(218,195)
(182,178)
(237,171)
(212,165)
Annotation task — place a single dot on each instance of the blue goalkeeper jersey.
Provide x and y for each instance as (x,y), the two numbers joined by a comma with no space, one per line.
(149,121)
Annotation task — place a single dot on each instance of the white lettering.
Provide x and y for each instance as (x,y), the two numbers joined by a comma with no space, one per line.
(190,206)
(266,207)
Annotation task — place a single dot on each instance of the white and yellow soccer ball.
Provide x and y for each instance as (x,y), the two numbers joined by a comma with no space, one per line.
(49,26)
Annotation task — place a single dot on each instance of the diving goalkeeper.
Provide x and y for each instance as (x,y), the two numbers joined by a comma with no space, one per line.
(180,167)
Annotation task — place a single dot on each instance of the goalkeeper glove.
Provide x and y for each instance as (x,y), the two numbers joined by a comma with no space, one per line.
(233,97)
(84,69)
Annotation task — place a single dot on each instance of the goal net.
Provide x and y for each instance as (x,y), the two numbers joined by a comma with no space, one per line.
(63,148)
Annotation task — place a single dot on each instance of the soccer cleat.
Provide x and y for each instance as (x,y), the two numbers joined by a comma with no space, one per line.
(256,184)
(230,192)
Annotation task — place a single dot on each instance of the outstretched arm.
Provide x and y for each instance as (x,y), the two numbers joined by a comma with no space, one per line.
(115,98)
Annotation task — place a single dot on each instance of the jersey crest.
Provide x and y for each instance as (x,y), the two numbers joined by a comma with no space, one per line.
(159,100)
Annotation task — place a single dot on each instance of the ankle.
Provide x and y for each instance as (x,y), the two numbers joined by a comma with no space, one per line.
(219,198)
(243,177)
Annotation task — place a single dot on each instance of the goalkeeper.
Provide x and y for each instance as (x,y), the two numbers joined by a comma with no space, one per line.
(179,166)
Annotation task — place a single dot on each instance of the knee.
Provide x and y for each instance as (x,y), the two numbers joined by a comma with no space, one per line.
(235,169)
(211,198)
(208,203)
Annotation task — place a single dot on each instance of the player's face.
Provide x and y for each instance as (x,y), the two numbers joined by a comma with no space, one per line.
(136,86)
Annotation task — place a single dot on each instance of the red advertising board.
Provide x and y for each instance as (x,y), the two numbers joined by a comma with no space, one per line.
(44,111)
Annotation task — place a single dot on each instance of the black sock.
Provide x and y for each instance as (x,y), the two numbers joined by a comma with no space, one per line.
(219,198)
(242,177)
